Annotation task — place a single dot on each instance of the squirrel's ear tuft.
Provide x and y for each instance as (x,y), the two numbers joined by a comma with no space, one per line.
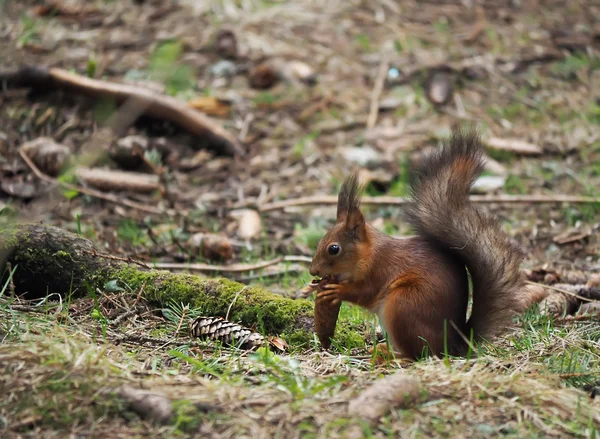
(354,225)
(349,198)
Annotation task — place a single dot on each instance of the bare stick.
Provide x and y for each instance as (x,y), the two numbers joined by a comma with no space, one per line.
(232,268)
(376,93)
(87,191)
(183,314)
(399,201)
(560,290)
(113,180)
(149,102)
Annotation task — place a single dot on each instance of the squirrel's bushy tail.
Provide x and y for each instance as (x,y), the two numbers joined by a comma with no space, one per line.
(440,211)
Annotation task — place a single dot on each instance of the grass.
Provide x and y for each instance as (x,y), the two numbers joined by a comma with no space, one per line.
(533,381)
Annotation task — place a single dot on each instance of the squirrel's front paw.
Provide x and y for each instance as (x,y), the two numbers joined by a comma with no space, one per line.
(331,292)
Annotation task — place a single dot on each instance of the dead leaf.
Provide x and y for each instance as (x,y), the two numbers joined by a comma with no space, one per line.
(300,71)
(397,390)
(249,223)
(514,145)
(213,247)
(127,151)
(278,343)
(48,155)
(307,290)
(572,235)
(559,304)
(211,105)
(268,73)
(197,160)
(20,188)
(593,281)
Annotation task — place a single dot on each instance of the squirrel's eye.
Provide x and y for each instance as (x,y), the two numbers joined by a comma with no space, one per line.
(333,249)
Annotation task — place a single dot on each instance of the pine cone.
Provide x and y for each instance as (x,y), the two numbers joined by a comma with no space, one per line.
(228,333)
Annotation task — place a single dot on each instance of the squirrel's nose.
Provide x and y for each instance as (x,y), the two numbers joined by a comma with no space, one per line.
(314,271)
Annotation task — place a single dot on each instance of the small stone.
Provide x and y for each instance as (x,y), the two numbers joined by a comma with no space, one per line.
(249,223)
(488,183)
(363,156)
(223,69)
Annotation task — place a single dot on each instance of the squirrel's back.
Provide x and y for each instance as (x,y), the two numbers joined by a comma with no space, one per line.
(441,212)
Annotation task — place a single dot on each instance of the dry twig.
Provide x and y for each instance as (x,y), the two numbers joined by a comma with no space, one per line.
(232,268)
(113,180)
(561,290)
(376,93)
(399,201)
(150,103)
(87,191)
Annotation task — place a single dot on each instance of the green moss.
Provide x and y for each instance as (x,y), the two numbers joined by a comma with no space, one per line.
(257,308)
(8,232)
(160,333)
(348,336)
(253,307)
(300,339)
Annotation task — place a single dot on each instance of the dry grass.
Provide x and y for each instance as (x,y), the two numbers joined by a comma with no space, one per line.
(61,377)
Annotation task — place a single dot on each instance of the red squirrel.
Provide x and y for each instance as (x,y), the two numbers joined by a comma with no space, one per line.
(418,286)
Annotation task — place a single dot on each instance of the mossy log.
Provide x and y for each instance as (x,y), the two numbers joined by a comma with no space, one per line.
(51,260)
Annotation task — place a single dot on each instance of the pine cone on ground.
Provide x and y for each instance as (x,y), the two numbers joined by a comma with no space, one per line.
(228,333)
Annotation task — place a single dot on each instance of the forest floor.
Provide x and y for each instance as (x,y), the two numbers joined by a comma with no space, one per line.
(527,75)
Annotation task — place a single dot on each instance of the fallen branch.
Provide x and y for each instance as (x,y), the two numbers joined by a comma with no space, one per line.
(51,260)
(231,268)
(88,191)
(399,201)
(112,180)
(516,146)
(149,102)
